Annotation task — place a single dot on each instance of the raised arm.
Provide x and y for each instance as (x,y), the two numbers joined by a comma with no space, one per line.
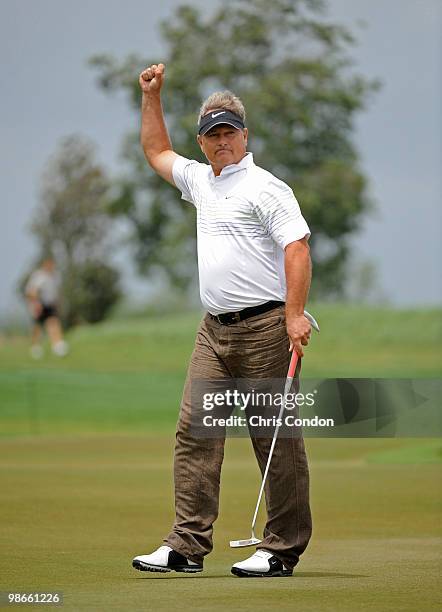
(154,137)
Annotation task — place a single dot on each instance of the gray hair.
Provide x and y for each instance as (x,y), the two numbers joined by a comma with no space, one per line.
(223,99)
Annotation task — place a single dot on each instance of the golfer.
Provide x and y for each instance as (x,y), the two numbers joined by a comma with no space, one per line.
(42,293)
(254,273)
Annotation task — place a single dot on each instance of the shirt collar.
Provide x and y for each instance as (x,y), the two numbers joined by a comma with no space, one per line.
(246,162)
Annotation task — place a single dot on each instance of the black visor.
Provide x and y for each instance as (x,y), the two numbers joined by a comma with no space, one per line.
(218,117)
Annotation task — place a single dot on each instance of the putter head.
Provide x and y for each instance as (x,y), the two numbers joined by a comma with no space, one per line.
(241,543)
(312,320)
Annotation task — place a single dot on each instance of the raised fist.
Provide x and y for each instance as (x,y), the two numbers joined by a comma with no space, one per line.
(151,79)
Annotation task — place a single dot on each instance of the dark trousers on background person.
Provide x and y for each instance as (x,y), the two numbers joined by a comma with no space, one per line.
(256,348)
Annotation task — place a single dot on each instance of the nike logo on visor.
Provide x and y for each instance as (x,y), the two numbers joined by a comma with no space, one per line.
(217,114)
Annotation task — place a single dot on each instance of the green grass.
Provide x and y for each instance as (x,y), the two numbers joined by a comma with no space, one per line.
(86,474)
(63,402)
(79,508)
(128,375)
(423,452)
(354,341)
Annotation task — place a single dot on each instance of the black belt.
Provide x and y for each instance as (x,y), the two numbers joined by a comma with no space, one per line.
(227,318)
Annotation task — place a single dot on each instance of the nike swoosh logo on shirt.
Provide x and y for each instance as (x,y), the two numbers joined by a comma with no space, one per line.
(216,114)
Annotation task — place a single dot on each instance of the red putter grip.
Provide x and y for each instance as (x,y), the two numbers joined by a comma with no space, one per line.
(293,363)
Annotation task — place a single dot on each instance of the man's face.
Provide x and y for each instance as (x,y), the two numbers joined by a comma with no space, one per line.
(223,145)
(48,265)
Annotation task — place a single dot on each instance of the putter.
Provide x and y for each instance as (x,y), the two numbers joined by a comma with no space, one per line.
(288,383)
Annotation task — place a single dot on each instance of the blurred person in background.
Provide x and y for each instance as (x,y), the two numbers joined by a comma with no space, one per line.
(42,295)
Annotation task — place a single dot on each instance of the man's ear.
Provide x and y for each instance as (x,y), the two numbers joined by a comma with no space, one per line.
(199,140)
(246,135)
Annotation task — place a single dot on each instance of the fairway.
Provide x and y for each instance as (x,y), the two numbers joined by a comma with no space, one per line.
(86,459)
(79,508)
(127,375)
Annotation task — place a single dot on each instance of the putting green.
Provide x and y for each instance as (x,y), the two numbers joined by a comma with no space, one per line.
(428,452)
(79,507)
(86,475)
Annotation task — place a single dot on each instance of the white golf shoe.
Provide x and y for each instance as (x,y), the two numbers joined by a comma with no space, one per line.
(61,348)
(165,559)
(262,564)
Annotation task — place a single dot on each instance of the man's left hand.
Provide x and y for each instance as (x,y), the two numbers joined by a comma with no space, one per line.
(298,330)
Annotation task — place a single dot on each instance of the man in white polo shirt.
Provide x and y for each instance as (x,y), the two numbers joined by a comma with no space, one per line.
(254,271)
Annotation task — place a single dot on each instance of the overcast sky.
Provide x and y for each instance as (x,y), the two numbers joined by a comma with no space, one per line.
(48,91)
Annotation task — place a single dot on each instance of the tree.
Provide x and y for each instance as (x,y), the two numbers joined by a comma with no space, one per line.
(93,289)
(72,225)
(293,71)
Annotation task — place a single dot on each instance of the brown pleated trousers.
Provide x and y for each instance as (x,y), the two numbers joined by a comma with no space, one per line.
(256,348)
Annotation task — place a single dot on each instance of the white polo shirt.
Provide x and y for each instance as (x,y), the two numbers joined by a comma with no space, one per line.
(245,219)
(46,286)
